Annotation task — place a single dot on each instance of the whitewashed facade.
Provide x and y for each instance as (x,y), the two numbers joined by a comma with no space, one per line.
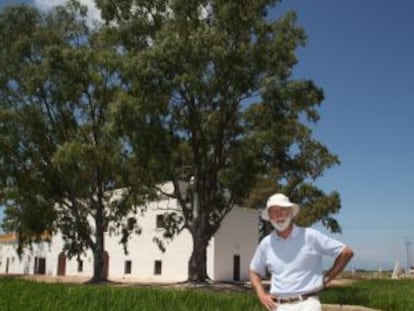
(228,254)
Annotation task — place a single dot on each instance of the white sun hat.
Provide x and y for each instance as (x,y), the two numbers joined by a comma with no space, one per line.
(279,199)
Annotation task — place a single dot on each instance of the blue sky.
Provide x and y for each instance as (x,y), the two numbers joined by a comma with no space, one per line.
(360,53)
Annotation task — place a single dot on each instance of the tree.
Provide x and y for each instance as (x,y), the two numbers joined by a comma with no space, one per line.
(213,88)
(62,159)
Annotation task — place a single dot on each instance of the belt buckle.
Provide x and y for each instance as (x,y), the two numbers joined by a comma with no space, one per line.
(296,298)
(290,299)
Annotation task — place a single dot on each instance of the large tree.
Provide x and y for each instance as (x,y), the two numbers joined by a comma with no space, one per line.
(214,90)
(61,158)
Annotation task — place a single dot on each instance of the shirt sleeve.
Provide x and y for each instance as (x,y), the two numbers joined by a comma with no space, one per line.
(327,245)
(258,262)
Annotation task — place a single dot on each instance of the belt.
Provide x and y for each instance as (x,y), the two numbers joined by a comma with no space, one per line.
(296,298)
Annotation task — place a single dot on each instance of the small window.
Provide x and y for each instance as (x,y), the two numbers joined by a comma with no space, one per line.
(160,221)
(128,267)
(80,265)
(157,267)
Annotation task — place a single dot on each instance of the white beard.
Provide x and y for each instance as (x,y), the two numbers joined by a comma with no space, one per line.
(282,226)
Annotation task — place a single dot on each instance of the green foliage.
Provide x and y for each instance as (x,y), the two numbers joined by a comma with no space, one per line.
(172,91)
(213,88)
(61,156)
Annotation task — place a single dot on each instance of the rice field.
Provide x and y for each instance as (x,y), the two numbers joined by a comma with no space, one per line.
(24,295)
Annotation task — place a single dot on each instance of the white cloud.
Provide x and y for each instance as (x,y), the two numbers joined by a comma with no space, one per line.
(93,12)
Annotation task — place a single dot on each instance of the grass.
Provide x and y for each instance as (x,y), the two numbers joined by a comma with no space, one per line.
(24,295)
(382,294)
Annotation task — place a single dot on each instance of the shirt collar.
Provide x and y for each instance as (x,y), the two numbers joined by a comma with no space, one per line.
(293,233)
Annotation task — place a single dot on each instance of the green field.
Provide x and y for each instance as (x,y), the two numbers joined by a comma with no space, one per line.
(383,294)
(23,295)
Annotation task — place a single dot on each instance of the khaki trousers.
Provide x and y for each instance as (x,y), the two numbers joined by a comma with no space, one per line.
(310,304)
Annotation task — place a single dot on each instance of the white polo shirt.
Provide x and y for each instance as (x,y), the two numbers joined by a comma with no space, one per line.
(295,263)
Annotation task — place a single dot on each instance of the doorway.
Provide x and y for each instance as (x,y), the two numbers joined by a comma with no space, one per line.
(61,269)
(40,265)
(236,268)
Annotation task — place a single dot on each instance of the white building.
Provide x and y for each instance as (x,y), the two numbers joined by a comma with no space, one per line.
(228,254)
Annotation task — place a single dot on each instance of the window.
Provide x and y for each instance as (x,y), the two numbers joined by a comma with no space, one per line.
(80,265)
(128,267)
(157,267)
(160,221)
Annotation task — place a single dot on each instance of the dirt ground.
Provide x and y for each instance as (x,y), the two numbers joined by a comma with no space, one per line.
(229,287)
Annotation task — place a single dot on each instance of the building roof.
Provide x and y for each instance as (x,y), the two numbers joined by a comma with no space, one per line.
(8,238)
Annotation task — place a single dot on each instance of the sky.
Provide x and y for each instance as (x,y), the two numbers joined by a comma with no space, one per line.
(361,54)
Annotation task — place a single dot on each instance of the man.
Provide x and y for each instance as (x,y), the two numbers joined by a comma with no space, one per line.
(293,257)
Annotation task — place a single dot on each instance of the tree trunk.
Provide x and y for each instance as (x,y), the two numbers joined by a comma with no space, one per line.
(99,273)
(197,266)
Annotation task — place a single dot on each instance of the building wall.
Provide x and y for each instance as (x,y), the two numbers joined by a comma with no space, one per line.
(143,252)
(11,263)
(144,260)
(71,265)
(238,236)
